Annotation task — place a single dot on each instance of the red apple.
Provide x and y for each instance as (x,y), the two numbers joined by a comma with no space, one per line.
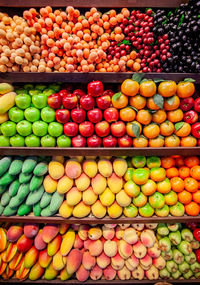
(102,129)
(109,141)
(95,115)
(54,101)
(187,104)
(103,102)
(197,105)
(118,129)
(87,102)
(78,141)
(86,129)
(125,141)
(190,117)
(111,115)
(63,92)
(79,93)
(78,115)
(108,92)
(62,116)
(70,129)
(94,141)
(70,101)
(95,88)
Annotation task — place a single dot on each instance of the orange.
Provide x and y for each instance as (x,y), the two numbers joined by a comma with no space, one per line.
(184,130)
(148,88)
(131,125)
(130,87)
(156,142)
(192,209)
(195,172)
(175,115)
(140,142)
(172,172)
(167,88)
(151,131)
(120,102)
(167,128)
(171,103)
(164,186)
(151,105)
(172,141)
(184,172)
(137,102)
(159,117)
(167,162)
(191,161)
(196,196)
(157,174)
(189,141)
(191,184)
(149,187)
(185,89)
(177,184)
(143,117)
(180,161)
(185,197)
(127,114)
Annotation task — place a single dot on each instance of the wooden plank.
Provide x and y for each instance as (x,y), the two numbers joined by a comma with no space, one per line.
(107,77)
(91,3)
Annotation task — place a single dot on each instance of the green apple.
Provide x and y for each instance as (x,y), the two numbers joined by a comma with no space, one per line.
(32,141)
(55,129)
(48,141)
(48,92)
(21,91)
(40,128)
(24,128)
(0,130)
(39,101)
(23,101)
(28,86)
(8,129)
(63,141)
(48,114)
(32,114)
(4,141)
(17,141)
(55,87)
(15,114)
(40,87)
(34,92)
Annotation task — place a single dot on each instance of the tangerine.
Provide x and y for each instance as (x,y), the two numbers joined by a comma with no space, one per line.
(192,209)
(191,184)
(148,88)
(130,87)
(177,184)
(185,197)
(185,89)
(167,88)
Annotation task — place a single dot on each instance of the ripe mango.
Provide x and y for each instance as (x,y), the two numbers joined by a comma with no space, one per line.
(7,101)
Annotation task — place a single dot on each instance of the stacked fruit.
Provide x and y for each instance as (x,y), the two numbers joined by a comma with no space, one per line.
(21,185)
(177,245)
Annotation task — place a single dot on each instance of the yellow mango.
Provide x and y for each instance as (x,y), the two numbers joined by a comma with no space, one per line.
(7,101)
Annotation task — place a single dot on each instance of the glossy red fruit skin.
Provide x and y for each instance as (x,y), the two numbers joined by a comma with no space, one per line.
(95,88)
(192,225)
(190,117)
(78,115)
(118,129)
(197,252)
(86,129)
(197,105)
(64,92)
(70,129)
(196,130)
(125,141)
(78,141)
(62,116)
(187,104)
(94,141)
(108,92)
(103,102)
(102,129)
(87,102)
(95,115)
(70,101)
(54,101)
(111,115)
(79,93)
(109,141)
(196,234)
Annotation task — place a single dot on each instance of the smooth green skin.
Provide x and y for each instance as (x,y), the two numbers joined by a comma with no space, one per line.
(32,114)
(172,197)
(32,141)
(40,87)
(55,87)
(0,130)
(17,141)
(63,141)
(15,114)
(177,210)
(157,200)
(23,101)
(48,114)
(39,101)
(129,174)
(48,141)
(34,92)
(21,91)
(40,128)
(130,211)
(24,128)
(8,129)
(4,141)
(141,173)
(48,92)
(163,212)
(134,187)
(153,161)
(55,129)
(138,161)
(146,210)
(137,200)
(28,86)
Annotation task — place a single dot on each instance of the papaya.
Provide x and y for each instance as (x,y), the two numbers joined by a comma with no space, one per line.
(13,188)
(9,212)
(24,178)
(24,209)
(6,179)
(46,199)
(15,167)
(5,164)
(29,164)
(5,198)
(36,182)
(56,201)
(40,169)
(35,196)
(5,88)
(7,101)
(37,209)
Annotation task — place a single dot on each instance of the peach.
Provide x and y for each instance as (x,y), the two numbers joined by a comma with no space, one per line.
(82,274)
(109,273)
(38,241)
(105,167)
(89,197)
(81,210)
(123,199)
(98,210)
(117,262)
(31,230)
(95,247)
(44,259)
(58,262)
(49,232)
(138,227)
(147,238)
(152,273)
(73,169)
(120,166)
(31,257)
(115,210)
(65,210)
(132,262)
(56,170)
(82,182)
(159,262)
(130,236)
(103,260)
(107,197)
(87,243)
(108,233)
(58,158)
(119,232)
(74,260)
(83,231)
(146,262)
(73,197)
(139,250)
(67,242)
(115,183)
(15,261)
(54,245)
(94,233)
(78,243)
(64,184)
(88,260)
(154,251)
(24,243)
(13,234)
(125,249)
(110,248)
(124,273)
(36,272)
(96,273)
(90,167)
(99,184)
(50,272)
(64,275)
(138,273)
(63,228)
(50,184)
